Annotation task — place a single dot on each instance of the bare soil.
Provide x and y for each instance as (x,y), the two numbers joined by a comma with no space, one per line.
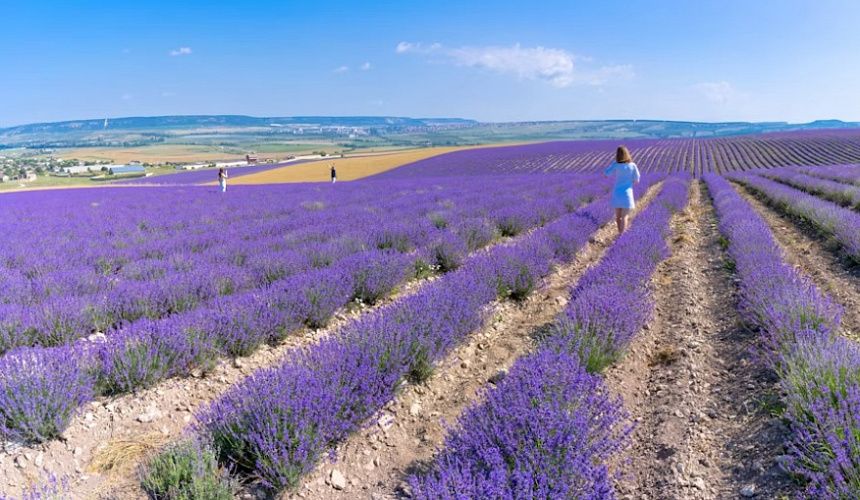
(702,404)
(805,248)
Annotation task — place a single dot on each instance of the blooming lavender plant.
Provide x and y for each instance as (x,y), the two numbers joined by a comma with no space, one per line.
(545,432)
(145,352)
(41,391)
(375,274)
(187,470)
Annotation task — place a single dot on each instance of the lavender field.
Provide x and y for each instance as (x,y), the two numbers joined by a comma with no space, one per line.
(694,155)
(263,332)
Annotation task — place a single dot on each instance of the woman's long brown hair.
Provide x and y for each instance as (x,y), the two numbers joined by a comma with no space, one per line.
(622,155)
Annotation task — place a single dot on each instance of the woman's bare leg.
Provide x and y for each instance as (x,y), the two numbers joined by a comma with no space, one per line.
(621,219)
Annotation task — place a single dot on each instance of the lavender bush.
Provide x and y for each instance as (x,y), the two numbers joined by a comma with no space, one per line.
(146,352)
(187,470)
(41,391)
(545,432)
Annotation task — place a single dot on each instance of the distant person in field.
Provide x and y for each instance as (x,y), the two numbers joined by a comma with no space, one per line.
(333,174)
(222,179)
(626,174)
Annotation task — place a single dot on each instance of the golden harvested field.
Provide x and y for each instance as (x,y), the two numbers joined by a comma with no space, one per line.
(158,153)
(348,169)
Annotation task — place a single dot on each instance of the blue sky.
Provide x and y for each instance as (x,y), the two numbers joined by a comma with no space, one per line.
(698,60)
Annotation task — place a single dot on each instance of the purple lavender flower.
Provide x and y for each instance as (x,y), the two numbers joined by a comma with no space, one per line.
(545,432)
(41,390)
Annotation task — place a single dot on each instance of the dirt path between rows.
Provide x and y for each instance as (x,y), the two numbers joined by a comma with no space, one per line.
(691,383)
(404,437)
(833,273)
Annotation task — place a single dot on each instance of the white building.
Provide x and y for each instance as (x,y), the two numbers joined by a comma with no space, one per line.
(80,169)
(226,164)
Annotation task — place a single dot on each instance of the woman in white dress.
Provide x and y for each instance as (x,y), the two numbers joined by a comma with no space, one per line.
(626,174)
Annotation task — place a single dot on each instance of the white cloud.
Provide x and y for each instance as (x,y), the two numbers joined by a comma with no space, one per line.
(718,92)
(552,65)
(417,48)
(342,69)
(407,47)
(181,51)
(555,66)
(365,66)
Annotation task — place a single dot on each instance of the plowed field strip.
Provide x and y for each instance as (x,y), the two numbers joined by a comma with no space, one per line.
(691,383)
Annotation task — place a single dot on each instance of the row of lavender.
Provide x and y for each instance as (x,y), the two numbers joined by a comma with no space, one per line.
(846,195)
(549,428)
(841,224)
(847,174)
(820,370)
(41,387)
(696,156)
(94,274)
(278,423)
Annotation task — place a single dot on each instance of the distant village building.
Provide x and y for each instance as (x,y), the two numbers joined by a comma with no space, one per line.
(80,169)
(251,159)
(30,176)
(4,178)
(226,164)
(125,169)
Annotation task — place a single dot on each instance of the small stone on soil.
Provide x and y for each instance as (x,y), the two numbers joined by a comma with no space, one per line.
(748,491)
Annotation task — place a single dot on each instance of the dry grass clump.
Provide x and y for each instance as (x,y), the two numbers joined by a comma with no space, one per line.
(121,455)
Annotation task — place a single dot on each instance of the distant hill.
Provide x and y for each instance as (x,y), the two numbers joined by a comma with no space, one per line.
(362,131)
(159,123)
